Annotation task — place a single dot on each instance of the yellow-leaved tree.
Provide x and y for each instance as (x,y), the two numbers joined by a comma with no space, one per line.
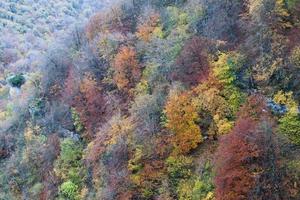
(182,116)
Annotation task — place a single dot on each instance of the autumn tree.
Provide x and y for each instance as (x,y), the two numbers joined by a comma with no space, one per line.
(220,20)
(282,15)
(120,18)
(192,65)
(227,70)
(216,111)
(289,124)
(127,71)
(107,155)
(149,27)
(295,57)
(294,7)
(182,116)
(49,179)
(246,158)
(90,103)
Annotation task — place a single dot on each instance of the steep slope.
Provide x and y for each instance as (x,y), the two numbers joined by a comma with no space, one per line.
(157,100)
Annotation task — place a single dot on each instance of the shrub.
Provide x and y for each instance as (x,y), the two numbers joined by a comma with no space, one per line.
(197,187)
(179,168)
(290,126)
(69,189)
(79,127)
(16,81)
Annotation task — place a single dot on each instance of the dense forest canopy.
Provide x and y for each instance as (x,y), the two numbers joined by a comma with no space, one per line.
(154,100)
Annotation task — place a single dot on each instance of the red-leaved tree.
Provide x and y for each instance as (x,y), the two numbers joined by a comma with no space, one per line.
(192,65)
(246,165)
(91,105)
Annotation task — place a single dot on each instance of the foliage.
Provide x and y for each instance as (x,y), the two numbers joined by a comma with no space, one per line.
(226,70)
(215,109)
(127,69)
(69,167)
(17,80)
(137,101)
(134,163)
(295,57)
(89,105)
(289,124)
(196,188)
(146,111)
(121,18)
(192,63)
(178,168)
(286,99)
(245,157)
(182,116)
(254,108)
(79,127)
(282,14)
(69,190)
(175,18)
(226,67)
(292,3)
(149,28)
(218,23)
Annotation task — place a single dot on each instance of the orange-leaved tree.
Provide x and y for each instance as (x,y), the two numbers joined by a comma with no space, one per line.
(127,70)
(148,27)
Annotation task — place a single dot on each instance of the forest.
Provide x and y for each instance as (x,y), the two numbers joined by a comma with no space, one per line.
(150,100)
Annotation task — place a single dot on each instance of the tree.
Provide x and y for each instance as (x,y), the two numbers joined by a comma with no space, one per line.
(182,116)
(107,155)
(49,180)
(295,57)
(246,158)
(179,168)
(220,20)
(126,67)
(254,108)
(90,104)
(192,65)
(146,112)
(226,69)
(120,18)
(290,122)
(197,187)
(215,110)
(282,15)
(294,8)
(149,27)
(69,167)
